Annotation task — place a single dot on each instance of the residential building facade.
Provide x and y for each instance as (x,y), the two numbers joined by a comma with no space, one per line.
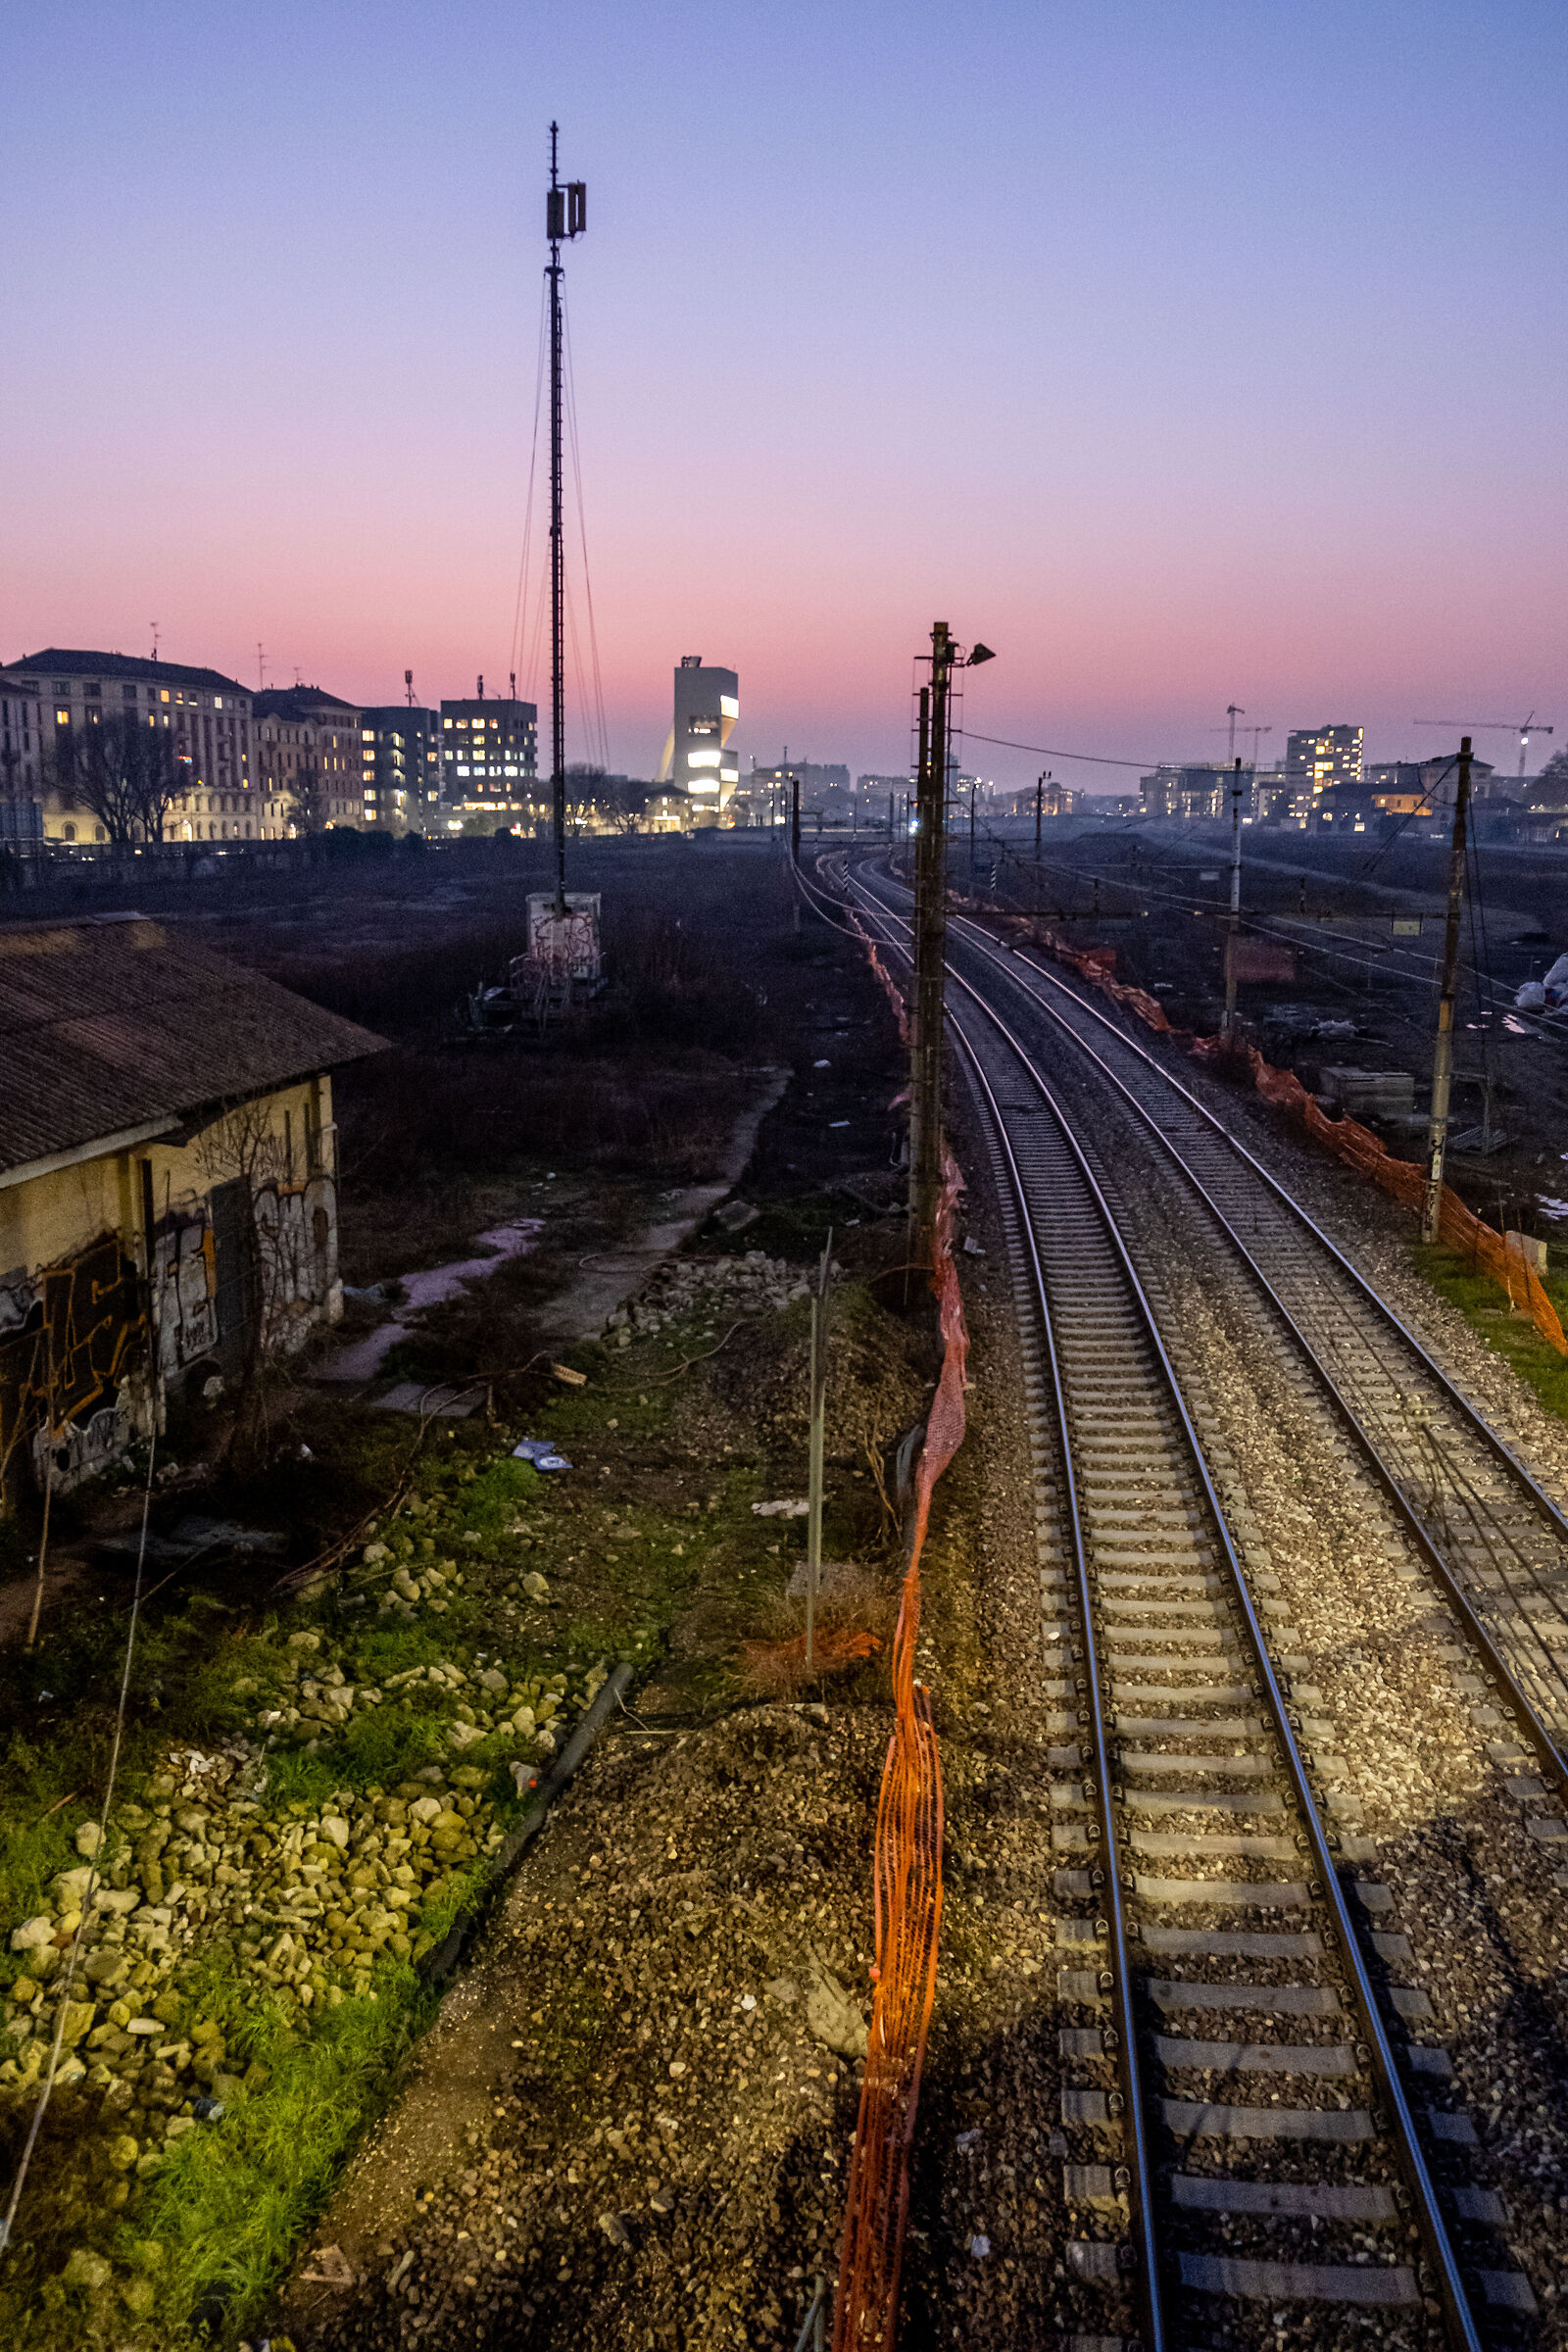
(206,715)
(20,753)
(400,768)
(308,760)
(490,758)
(1316,761)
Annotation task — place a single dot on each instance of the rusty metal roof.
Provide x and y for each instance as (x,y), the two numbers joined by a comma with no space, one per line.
(111,1024)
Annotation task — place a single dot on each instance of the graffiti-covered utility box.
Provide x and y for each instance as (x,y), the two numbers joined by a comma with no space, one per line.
(561,947)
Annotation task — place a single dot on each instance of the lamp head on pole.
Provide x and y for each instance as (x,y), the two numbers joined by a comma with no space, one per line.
(979,653)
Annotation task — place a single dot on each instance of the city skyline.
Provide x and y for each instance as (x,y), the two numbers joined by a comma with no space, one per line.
(1240,387)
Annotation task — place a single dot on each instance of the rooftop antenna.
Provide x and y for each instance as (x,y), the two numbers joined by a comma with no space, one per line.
(153,625)
(408,686)
(261,668)
(511,679)
(566,218)
(480,682)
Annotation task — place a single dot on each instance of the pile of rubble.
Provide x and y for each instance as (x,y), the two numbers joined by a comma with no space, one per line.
(728,1286)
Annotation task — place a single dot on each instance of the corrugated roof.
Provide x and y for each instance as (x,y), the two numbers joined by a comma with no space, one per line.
(107,1025)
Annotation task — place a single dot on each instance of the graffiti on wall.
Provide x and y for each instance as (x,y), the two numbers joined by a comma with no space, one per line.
(70,1334)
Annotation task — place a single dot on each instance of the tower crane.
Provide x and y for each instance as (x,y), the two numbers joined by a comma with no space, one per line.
(1524,728)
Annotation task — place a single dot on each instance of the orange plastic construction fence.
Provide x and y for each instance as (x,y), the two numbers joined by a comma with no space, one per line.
(1499,1255)
(907,1885)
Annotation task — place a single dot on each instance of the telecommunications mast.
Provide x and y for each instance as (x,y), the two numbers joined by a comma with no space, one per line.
(565,216)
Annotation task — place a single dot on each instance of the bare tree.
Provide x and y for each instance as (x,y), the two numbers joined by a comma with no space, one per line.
(309,807)
(593,791)
(123,772)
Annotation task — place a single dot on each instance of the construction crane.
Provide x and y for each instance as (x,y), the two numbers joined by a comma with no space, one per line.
(1524,728)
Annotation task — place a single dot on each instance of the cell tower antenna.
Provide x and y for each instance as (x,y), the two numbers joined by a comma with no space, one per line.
(153,625)
(408,686)
(261,668)
(566,218)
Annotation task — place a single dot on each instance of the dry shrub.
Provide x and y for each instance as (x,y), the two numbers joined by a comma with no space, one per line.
(874,1376)
(853,1615)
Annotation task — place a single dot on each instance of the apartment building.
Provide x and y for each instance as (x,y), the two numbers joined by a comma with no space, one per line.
(490,757)
(400,768)
(308,760)
(206,715)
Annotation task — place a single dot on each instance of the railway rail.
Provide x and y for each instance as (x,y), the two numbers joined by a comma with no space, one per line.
(1251,2117)
(1496,1541)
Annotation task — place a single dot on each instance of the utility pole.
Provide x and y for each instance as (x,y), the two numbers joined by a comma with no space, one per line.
(794,846)
(974,786)
(1235,899)
(1443,1052)
(930,947)
(890,821)
(565,216)
(1040,799)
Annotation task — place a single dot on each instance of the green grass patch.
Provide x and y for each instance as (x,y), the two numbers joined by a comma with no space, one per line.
(1486,1311)
(231,2200)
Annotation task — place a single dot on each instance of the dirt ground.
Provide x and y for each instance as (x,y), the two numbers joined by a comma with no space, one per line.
(633,2120)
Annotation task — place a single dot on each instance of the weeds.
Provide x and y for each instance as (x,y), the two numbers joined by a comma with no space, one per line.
(1514,1336)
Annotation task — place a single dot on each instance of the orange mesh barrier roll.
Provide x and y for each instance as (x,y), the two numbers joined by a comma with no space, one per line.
(908,1887)
(1496,1253)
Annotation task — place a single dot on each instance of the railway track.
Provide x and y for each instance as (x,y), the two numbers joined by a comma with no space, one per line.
(1253,2115)
(1494,1539)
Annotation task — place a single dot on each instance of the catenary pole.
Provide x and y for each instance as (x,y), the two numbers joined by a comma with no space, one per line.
(930,949)
(1236,899)
(1443,1050)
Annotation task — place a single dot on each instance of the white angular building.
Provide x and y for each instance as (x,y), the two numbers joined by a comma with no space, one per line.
(697,761)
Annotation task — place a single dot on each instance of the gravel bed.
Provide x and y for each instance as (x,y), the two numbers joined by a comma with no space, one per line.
(1398,1753)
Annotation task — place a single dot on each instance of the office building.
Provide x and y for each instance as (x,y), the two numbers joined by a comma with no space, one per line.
(206,716)
(490,758)
(697,761)
(825,789)
(308,758)
(1316,760)
(400,768)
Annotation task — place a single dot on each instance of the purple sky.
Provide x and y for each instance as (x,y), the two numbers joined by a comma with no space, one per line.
(1187,354)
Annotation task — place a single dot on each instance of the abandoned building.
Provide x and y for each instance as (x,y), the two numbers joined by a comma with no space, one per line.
(168,1180)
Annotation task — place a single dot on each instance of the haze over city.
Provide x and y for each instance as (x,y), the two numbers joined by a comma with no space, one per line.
(1188,357)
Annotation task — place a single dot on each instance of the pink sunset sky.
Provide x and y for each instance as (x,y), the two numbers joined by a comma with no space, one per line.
(1187,356)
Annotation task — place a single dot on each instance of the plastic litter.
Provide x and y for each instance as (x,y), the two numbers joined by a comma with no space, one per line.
(780,1510)
(541,1453)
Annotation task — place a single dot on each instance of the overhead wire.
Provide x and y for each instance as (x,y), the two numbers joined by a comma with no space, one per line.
(519,616)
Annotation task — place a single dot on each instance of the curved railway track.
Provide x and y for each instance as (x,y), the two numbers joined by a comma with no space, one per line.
(1250,2121)
(1494,1539)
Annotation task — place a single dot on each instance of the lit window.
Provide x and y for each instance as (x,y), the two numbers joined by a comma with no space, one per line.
(701,758)
(462,771)
(218,702)
(728,707)
(511,772)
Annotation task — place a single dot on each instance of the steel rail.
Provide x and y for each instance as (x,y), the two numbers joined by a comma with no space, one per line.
(1411,2159)
(1498,1668)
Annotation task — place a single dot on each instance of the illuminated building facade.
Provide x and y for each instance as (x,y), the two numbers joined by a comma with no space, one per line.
(490,756)
(706,707)
(1317,759)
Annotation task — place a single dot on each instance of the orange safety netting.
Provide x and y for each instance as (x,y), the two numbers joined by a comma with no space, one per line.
(908,1883)
(1499,1254)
